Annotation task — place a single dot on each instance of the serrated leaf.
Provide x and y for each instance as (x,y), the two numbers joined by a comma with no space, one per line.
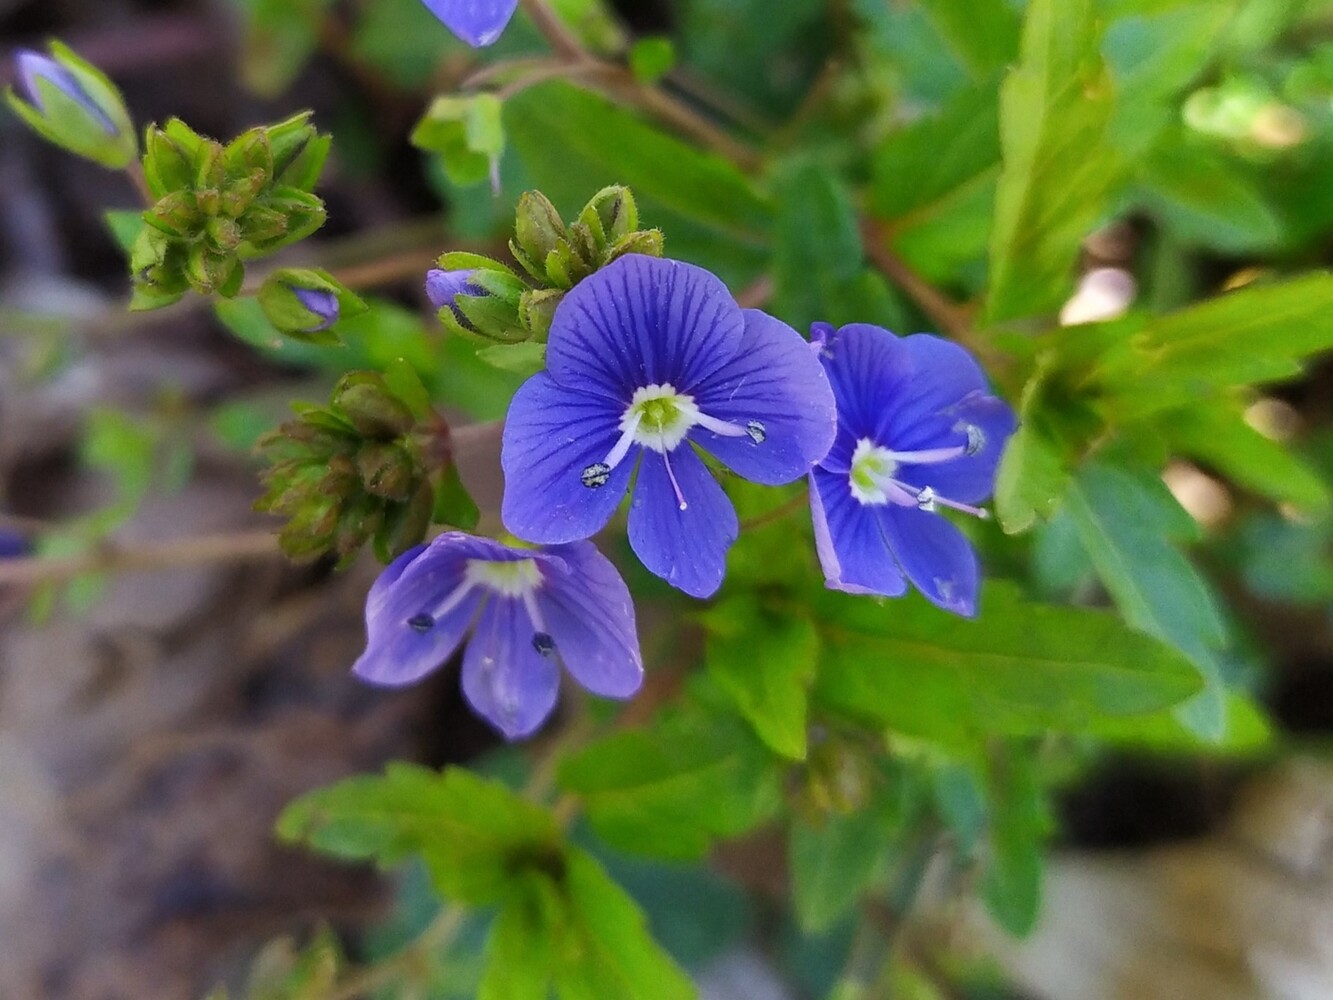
(1253,335)
(1018,668)
(670,790)
(764,662)
(1055,110)
(467,829)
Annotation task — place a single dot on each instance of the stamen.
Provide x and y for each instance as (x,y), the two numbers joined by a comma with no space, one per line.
(927,499)
(680,497)
(976,438)
(758,433)
(722,428)
(599,473)
(927,456)
(543,643)
(424,621)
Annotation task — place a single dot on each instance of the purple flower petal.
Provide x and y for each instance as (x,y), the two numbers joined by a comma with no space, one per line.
(930,375)
(322,303)
(981,422)
(477,22)
(550,436)
(852,548)
(935,555)
(406,635)
(776,386)
(866,367)
(687,548)
(643,321)
(505,678)
(590,616)
(32,66)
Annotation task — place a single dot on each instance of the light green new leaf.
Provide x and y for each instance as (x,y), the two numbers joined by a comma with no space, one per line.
(1055,111)
(1254,335)
(1126,524)
(519,962)
(668,791)
(1018,668)
(469,830)
(605,949)
(764,663)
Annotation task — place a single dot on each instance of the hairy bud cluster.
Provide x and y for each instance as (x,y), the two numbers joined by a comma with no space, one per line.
(218,206)
(351,472)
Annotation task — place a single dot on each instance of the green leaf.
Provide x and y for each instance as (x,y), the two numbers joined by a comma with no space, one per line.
(1126,524)
(920,165)
(1206,199)
(833,864)
(1246,729)
(124,225)
(1032,476)
(984,33)
(668,791)
(1018,668)
(574,143)
(454,505)
(475,835)
(1257,334)
(764,662)
(467,133)
(526,358)
(1011,885)
(518,960)
(1155,54)
(1216,434)
(1055,109)
(612,954)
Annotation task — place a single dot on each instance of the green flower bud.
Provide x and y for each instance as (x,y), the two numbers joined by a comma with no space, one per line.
(304,303)
(364,400)
(538,231)
(71,103)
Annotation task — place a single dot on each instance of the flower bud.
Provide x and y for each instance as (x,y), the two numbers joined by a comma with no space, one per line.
(386,470)
(71,103)
(363,399)
(443,286)
(304,302)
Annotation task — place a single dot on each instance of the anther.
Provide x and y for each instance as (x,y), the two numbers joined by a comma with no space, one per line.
(756,431)
(543,643)
(421,622)
(976,439)
(596,475)
(925,500)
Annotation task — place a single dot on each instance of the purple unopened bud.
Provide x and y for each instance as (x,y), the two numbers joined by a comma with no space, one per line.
(322,303)
(31,66)
(442,286)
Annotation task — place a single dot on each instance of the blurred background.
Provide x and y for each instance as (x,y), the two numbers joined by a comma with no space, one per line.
(153,722)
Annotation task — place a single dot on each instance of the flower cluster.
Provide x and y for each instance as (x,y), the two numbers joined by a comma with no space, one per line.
(653,373)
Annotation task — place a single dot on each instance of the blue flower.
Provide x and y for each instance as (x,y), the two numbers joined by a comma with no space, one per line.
(526,610)
(477,22)
(13,545)
(917,430)
(649,358)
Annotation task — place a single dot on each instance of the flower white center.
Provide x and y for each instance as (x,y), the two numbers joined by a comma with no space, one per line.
(658,418)
(515,578)
(873,475)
